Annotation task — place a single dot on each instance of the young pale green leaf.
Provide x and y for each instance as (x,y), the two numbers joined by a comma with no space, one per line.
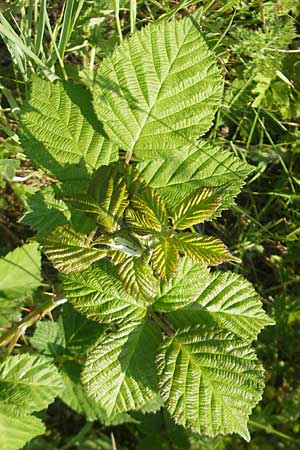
(71,251)
(137,277)
(60,131)
(196,208)
(98,294)
(147,212)
(165,258)
(183,288)
(199,165)
(210,380)
(16,428)
(159,89)
(226,298)
(20,275)
(34,379)
(105,200)
(120,373)
(202,249)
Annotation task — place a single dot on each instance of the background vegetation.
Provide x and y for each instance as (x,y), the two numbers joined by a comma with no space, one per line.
(258,48)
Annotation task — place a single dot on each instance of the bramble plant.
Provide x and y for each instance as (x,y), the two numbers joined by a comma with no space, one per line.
(121,224)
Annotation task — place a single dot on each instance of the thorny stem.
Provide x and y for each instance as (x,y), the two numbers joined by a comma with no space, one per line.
(11,336)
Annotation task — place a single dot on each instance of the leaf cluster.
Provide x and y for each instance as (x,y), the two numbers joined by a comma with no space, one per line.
(122,225)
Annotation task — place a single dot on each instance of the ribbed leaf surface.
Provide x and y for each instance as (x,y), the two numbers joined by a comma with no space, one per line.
(159,89)
(147,212)
(203,249)
(105,200)
(197,166)
(16,428)
(227,298)
(45,212)
(196,208)
(165,258)
(183,288)
(71,251)
(98,294)
(120,373)
(210,380)
(30,381)
(137,277)
(60,130)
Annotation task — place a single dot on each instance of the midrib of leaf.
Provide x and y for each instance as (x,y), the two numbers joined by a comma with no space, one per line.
(144,121)
(215,393)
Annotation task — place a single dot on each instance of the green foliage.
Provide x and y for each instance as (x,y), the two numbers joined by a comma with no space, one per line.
(154,97)
(206,373)
(153,326)
(118,373)
(61,131)
(20,276)
(29,381)
(17,428)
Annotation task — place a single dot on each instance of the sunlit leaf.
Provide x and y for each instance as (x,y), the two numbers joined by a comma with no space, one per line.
(196,208)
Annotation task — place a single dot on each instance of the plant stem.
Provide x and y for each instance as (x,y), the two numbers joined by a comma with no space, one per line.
(269,429)
(160,323)
(118,23)
(11,336)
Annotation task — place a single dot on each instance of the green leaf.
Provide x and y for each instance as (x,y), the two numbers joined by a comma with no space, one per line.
(8,168)
(80,334)
(16,428)
(183,288)
(147,212)
(200,165)
(105,200)
(71,251)
(231,301)
(45,212)
(61,133)
(74,394)
(198,207)
(210,380)
(98,294)
(203,249)
(48,338)
(34,379)
(20,276)
(137,277)
(165,258)
(196,296)
(120,373)
(159,89)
